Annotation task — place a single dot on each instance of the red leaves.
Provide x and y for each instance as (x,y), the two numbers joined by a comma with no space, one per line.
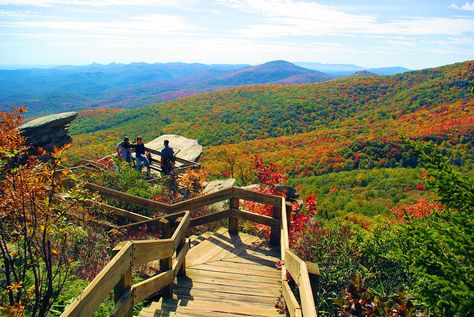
(268,174)
(420,209)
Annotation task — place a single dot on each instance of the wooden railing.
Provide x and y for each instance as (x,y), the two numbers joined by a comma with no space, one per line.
(184,164)
(298,270)
(117,274)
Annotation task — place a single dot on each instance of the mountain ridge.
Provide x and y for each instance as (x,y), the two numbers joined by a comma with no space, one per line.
(94,86)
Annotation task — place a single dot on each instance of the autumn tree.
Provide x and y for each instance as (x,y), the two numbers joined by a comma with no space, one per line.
(37,226)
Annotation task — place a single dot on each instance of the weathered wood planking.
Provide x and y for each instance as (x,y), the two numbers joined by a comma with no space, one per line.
(292,305)
(218,285)
(94,294)
(257,197)
(142,202)
(260,219)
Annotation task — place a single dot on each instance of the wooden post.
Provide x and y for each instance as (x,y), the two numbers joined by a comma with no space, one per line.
(166,264)
(288,218)
(234,221)
(125,283)
(275,229)
(314,278)
(182,269)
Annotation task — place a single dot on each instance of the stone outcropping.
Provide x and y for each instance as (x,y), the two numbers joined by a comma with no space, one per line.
(184,148)
(48,131)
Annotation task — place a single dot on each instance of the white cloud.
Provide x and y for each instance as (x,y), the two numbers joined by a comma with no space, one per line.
(468,6)
(96,3)
(152,24)
(303,18)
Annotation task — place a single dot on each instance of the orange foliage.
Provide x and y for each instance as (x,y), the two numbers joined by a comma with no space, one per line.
(420,209)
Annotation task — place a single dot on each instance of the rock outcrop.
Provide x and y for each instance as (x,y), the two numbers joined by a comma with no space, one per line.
(188,149)
(48,131)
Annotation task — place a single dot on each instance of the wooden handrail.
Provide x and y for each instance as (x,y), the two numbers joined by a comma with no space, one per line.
(134,253)
(131,254)
(94,294)
(177,159)
(298,271)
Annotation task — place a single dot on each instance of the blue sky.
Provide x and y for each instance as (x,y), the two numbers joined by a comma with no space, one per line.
(414,34)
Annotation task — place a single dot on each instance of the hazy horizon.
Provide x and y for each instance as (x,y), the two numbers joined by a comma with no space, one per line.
(30,66)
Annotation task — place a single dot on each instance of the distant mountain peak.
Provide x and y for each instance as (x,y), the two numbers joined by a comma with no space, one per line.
(364,73)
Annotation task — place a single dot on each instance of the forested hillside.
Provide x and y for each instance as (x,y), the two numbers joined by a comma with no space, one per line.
(96,86)
(311,129)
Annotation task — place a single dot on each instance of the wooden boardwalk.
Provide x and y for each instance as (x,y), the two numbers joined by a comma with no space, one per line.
(222,274)
(226,275)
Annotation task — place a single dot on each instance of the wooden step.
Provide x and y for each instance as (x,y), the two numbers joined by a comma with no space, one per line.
(173,307)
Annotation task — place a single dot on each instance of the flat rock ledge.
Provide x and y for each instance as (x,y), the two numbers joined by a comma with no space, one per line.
(184,148)
(48,131)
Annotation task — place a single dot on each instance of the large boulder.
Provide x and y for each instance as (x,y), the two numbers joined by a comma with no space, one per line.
(215,186)
(188,149)
(49,131)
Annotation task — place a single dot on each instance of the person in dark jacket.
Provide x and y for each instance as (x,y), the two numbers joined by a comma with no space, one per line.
(140,156)
(167,158)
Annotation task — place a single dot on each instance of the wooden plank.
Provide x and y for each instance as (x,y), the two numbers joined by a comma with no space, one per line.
(292,305)
(139,201)
(243,267)
(306,294)
(180,257)
(261,219)
(209,307)
(210,218)
(300,275)
(166,263)
(122,289)
(152,285)
(284,242)
(151,250)
(231,283)
(150,221)
(275,228)
(177,159)
(202,201)
(257,197)
(210,295)
(245,289)
(198,273)
(314,278)
(233,221)
(181,230)
(313,268)
(248,271)
(124,306)
(293,265)
(94,294)
(118,211)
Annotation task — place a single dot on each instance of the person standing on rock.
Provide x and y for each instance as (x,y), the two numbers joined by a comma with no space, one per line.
(142,160)
(124,150)
(167,158)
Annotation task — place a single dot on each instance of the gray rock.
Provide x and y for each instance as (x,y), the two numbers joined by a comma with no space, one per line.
(188,149)
(216,185)
(48,131)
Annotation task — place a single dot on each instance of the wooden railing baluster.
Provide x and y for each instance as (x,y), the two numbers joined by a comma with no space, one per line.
(167,263)
(234,221)
(132,253)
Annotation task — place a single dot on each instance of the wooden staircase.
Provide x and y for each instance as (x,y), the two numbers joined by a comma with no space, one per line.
(226,275)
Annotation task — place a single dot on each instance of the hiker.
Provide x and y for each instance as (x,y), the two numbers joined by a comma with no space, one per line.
(140,156)
(124,151)
(167,158)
